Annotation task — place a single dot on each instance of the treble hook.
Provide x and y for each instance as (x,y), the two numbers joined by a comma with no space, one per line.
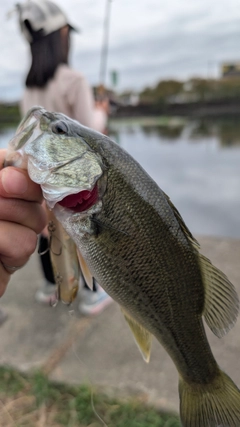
(51,229)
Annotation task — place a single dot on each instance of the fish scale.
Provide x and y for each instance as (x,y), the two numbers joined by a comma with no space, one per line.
(124,283)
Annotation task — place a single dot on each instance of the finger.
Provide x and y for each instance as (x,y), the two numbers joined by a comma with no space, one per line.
(29,214)
(4,279)
(17,243)
(15,182)
(3,152)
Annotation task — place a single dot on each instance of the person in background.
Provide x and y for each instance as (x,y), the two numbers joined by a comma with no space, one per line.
(22,217)
(54,85)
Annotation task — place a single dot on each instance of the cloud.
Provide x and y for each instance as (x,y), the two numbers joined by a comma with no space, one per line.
(149,40)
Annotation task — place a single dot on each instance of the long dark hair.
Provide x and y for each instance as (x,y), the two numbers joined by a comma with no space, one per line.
(47,53)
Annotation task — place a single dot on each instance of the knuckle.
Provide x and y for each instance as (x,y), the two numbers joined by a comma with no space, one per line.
(30,243)
(41,221)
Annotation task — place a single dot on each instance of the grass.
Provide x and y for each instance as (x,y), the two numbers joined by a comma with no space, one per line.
(34,401)
(9,114)
(147,121)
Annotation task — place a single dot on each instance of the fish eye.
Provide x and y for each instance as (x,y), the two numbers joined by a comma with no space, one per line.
(60,128)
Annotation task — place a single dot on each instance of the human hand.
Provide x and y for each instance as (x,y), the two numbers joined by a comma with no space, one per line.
(21,218)
(103,105)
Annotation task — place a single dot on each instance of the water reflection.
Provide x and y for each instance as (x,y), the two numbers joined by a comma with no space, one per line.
(170,132)
(200,171)
(195,162)
(6,135)
(227,130)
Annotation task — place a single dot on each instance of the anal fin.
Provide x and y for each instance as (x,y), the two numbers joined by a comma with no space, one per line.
(85,271)
(142,337)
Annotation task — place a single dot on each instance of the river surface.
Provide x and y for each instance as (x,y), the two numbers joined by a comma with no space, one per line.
(197,163)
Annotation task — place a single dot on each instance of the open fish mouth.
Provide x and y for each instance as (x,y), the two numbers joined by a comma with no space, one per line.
(61,162)
(81,201)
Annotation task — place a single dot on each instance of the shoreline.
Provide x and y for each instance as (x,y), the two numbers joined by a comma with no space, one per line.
(221,108)
(205,109)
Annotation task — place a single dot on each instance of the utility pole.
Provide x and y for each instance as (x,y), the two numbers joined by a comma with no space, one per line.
(104,52)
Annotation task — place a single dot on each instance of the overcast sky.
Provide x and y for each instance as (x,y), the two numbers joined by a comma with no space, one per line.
(149,40)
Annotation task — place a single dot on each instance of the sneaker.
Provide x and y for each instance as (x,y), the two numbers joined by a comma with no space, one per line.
(47,294)
(93,303)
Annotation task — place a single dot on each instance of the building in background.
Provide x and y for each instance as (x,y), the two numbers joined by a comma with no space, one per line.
(230,69)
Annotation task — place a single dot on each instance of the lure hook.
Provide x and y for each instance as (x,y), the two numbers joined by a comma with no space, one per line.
(51,229)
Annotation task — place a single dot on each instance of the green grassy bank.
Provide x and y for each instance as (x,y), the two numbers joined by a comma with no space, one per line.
(9,115)
(34,401)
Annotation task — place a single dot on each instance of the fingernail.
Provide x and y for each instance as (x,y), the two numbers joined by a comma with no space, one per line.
(14,182)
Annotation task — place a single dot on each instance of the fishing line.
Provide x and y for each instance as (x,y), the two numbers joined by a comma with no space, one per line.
(92,392)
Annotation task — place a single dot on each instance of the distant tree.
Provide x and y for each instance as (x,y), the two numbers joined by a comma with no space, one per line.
(202,88)
(194,89)
(162,91)
(166,89)
(230,87)
(147,95)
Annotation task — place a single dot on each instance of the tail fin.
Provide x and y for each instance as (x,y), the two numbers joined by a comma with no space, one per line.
(210,405)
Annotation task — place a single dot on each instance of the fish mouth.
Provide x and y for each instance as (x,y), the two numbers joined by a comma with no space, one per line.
(81,201)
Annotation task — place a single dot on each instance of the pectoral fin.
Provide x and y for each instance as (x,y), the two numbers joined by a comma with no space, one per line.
(85,271)
(142,337)
(221,299)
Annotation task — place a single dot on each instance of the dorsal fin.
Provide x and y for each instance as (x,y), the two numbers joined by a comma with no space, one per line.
(221,305)
(142,337)
(182,224)
(85,271)
(221,300)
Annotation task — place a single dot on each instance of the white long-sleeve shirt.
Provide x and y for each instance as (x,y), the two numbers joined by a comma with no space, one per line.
(68,93)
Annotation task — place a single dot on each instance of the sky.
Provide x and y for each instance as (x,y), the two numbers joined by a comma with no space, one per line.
(149,40)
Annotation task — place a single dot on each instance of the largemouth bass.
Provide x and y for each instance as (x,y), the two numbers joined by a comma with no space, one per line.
(137,246)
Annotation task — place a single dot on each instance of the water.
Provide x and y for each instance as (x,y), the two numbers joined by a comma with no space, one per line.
(196,163)
(5,135)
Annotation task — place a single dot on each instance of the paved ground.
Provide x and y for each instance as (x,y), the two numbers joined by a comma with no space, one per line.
(101,351)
